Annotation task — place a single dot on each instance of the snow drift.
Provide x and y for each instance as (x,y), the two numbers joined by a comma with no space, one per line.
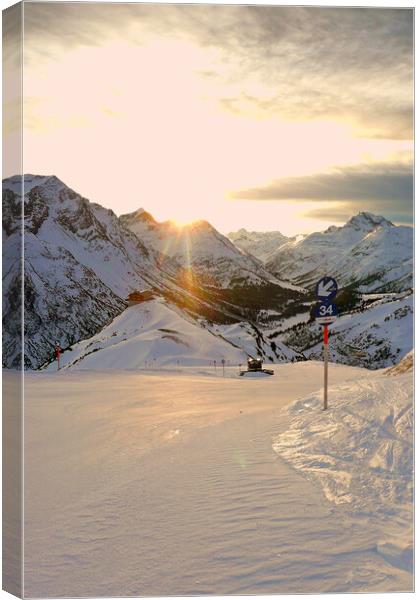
(360,452)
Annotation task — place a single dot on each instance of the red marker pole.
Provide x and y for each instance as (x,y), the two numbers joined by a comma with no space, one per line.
(57,355)
(325,367)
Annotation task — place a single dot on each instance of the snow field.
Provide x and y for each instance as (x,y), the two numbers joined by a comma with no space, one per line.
(166,482)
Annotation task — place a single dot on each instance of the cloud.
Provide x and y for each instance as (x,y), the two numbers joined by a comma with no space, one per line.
(296,63)
(237,95)
(344,211)
(378,188)
(365,111)
(345,64)
(325,39)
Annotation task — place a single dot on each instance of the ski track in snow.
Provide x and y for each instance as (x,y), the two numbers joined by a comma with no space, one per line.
(149,483)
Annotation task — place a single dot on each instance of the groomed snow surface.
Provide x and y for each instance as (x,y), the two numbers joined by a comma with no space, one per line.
(180,481)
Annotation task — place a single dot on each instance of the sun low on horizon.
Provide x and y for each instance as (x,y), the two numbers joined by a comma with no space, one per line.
(261,117)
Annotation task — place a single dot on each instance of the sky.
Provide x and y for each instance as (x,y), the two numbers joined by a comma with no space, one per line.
(268,118)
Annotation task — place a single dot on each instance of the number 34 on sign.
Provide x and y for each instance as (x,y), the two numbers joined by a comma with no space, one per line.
(326,313)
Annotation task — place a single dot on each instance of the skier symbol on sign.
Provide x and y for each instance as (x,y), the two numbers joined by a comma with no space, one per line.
(326,288)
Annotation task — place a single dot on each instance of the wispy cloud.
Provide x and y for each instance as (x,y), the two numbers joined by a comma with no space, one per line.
(293,62)
(360,182)
(382,188)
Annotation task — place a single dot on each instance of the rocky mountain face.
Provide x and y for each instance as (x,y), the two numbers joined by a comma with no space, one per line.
(369,253)
(81,262)
(260,244)
(79,266)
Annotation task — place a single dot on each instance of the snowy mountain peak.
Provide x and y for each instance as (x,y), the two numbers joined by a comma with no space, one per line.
(138,216)
(30,181)
(199,225)
(368,251)
(368,221)
(331,229)
(138,213)
(258,243)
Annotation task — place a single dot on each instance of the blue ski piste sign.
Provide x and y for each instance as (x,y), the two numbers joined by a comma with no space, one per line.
(326,290)
(326,313)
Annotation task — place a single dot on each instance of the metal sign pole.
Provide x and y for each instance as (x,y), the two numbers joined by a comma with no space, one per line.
(325,367)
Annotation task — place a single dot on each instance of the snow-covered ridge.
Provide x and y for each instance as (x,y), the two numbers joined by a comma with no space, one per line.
(366,221)
(211,255)
(158,334)
(17,183)
(150,335)
(368,252)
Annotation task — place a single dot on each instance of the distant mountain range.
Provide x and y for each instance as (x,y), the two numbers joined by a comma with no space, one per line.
(258,243)
(247,292)
(214,259)
(368,253)
(372,260)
